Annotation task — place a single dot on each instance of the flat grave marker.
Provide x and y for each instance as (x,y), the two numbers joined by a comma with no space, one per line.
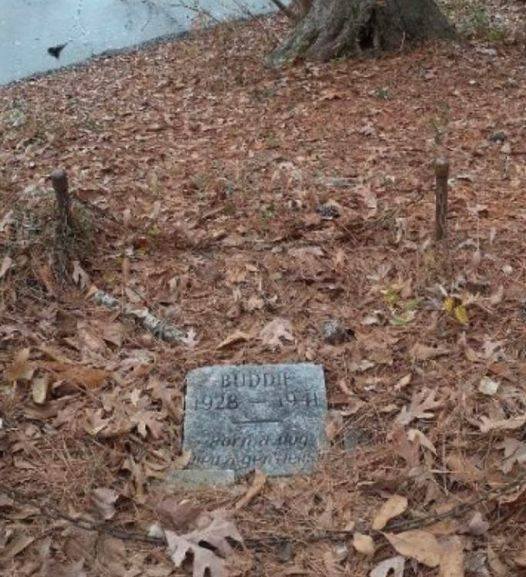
(246,417)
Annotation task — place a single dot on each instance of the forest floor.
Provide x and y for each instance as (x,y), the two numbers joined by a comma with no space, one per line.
(226,196)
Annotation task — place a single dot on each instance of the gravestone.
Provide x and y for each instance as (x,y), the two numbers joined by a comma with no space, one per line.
(266,417)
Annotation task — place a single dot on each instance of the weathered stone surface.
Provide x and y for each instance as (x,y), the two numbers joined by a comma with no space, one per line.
(201,478)
(267,417)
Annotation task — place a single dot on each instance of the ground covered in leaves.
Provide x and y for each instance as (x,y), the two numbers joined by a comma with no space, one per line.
(248,207)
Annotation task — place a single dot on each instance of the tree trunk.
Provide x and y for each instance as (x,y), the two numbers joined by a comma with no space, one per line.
(334,28)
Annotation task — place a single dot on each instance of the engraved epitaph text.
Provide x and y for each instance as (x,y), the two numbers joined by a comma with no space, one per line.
(267,417)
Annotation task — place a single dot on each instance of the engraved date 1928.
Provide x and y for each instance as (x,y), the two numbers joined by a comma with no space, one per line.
(217,402)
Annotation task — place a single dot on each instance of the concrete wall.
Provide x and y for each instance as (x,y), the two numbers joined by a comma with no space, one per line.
(29,27)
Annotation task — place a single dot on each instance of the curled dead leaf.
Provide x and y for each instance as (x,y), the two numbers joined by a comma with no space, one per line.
(258,482)
(207,546)
(487,424)
(233,339)
(182,460)
(396,565)
(80,276)
(176,515)
(104,501)
(21,369)
(18,541)
(393,507)
(417,544)
(364,544)
(420,352)
(7,263)
(274,333)
(452,561)
(477,525)
(39,389)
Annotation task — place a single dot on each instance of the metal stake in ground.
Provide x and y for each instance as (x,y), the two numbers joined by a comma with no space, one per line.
(442,176)
(59,180)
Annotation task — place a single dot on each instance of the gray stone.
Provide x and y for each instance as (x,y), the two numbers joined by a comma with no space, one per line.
(355,438)
(329,210)
(266,417)
(499,136)
(201,478)
(335,333)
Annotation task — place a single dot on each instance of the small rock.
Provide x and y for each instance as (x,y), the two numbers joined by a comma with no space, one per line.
(335,333)
(285,552)
(355,438)
(329,210)
(488,386)
(499,136)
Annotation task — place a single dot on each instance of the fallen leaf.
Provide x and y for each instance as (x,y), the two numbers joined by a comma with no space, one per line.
(495,564)
(146,421)
(463,469)
(330,95)
(394,564)
(56,569)
(39,388)
(520,558)
(104,501)
(175,515)
(401,445)
(112,333)
(452,561)
(401,384)
(414,435)
(393,507)
(204,546)
(364,544)
(255,303)
(20,369)
(85,377)
(258,482)
(16,544)
(421,405)
(514,452)
(497,296)
(461,314)
(477,525)
(111,554)
(420,352)
(233,339)
(419,545)
(488,386)
(182,460)
(487,424)
(275,332)
(79,275)
(7,263)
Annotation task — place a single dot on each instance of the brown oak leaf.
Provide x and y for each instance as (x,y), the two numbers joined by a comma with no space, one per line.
(420,408)
(208,546)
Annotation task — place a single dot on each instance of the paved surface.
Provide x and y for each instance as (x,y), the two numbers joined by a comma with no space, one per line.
(90,27)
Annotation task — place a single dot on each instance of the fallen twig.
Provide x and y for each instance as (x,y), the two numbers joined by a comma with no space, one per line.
(272,540)
(157,327)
